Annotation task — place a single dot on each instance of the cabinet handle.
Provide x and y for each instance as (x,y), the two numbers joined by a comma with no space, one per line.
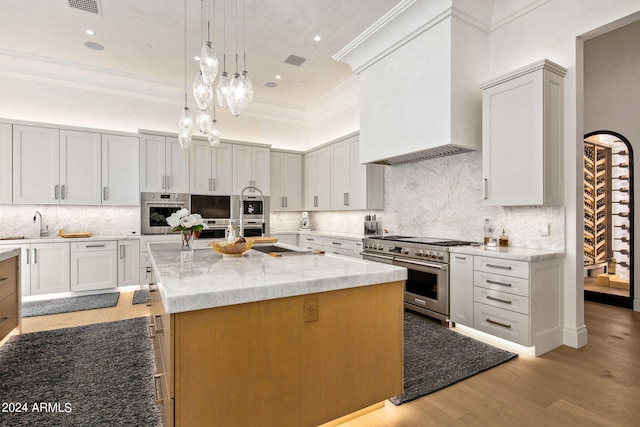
(105,193)
(28,261)
(495,282)
(122,252)
(63,192)
(151,333)
(213,184)
(420,301)
(35,256)
(4,320)
(504,325)
(460,257)
(56,192)
(346,199)
(6,279)
(315,201)
(485,187)
(95,246)
(336,243)
(157,387)
(286,202)
(502,267)
(498,299)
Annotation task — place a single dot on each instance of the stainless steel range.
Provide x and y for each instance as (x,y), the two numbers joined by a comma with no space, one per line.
(427,262)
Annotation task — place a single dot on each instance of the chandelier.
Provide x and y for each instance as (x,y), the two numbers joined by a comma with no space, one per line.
(233,93)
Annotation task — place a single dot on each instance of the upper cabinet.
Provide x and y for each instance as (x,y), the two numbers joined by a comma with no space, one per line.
(164,166)
(55,167)
(251,167)
(120,163)
(317,179)
(522,150)
(211,171)
(286,181)
(5,163)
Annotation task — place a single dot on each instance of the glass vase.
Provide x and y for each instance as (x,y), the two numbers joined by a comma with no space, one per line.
(187,240)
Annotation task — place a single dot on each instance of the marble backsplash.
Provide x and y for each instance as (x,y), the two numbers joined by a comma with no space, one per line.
(441,198)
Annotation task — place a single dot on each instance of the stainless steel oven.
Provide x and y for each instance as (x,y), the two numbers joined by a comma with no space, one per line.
(156,207)
(253,213)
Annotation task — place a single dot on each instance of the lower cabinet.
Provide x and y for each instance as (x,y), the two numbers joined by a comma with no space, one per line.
(332,245)
(94,265)
(128,262)
(520,301)
(44,268)
(9,296)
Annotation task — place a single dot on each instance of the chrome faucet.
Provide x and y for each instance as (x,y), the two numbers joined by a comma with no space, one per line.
(250,187)
(43,231)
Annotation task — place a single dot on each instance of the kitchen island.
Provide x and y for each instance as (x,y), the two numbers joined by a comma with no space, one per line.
(294,340)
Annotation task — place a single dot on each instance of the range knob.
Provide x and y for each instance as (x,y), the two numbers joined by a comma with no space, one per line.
(378,247)
(392,248)
(405,251)
(419,253)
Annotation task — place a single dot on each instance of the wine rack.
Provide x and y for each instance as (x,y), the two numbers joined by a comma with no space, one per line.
(597,203)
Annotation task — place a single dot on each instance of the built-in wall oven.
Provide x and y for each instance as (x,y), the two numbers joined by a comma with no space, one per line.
(254,214)
(157,207)
(427,264)
(216,211)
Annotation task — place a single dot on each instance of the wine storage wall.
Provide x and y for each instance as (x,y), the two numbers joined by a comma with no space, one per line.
(597,204)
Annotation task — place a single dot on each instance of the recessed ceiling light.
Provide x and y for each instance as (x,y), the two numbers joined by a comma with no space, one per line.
(317,38)
(271,84)
(91,32)
(94,46)
(278,76)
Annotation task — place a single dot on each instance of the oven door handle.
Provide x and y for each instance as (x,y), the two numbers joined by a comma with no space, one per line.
(421,264)
(164,204)
(387,258)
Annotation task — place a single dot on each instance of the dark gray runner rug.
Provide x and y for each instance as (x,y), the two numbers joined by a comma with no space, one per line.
(436,357)
(96,375)
(67,305)
(140,296)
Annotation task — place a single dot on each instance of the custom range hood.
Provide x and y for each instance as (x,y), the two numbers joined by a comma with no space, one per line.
(420,68)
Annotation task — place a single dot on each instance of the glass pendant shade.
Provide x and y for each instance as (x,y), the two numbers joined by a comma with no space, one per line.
(214,135)
(208,63)
(202,92)
(203,121)
(186,120)
(235,95)
(221,90)
(248,88)
(184,138)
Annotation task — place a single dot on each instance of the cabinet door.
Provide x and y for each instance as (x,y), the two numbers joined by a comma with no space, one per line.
(5,163)
(94,267)
(292,181)
(120,170)
(310,180)
(260,169)
(277,182)
(366,190)
(340,175)
(323,170)
(80,168)
(128,262)
(25,270)
(201,168)
(241,168)
(36,165)
(176,168)
(461,289)
(222,173)
(152,163)
(49,268)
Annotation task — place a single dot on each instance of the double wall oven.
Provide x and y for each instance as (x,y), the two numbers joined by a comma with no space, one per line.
(427,264)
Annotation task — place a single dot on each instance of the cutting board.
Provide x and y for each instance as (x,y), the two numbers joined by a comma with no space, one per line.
(76,235)
(261,239)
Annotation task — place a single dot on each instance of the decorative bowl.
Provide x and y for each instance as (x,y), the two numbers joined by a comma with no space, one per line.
(232,249)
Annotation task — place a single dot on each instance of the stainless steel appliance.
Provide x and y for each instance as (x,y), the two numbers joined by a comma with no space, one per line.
(427,262)
(216,211)
(156,207)
(253,213)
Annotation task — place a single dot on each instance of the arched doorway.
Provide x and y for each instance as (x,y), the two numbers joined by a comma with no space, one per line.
(608,219)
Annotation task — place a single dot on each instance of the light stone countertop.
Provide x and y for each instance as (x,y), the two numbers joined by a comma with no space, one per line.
(56,239)
(517,254)
(202,278)
(9,253)
(337,235)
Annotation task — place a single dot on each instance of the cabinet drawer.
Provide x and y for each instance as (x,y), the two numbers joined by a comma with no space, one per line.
(505,324)
(330,242)
(8,314)
(8,279)
(104,245)
(499,282)
(511,302)
(339,251)
(310,239)
(505,267)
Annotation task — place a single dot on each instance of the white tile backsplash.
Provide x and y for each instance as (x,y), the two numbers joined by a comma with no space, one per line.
(441,198)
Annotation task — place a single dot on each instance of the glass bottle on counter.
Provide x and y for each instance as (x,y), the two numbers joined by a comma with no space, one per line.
(503,241)
(489,240)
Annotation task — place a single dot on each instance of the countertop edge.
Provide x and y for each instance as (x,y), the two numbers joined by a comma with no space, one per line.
(517,254)
(5,254)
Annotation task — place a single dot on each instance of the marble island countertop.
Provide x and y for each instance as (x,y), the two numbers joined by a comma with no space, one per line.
(202,278)
(8,253)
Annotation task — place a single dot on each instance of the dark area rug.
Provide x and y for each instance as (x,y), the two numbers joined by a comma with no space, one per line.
(96,375)
(67,305)
(140,296)
(436,357)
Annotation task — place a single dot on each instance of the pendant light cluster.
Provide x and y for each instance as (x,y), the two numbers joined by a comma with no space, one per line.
(233,93)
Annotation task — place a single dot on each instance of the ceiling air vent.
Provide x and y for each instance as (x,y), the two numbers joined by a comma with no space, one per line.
(91,6)
(295,60)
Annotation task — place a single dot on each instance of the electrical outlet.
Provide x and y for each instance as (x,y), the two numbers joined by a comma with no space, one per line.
(545,230)
(311,310)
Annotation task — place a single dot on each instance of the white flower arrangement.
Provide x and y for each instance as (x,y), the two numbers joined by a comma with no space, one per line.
(182,220)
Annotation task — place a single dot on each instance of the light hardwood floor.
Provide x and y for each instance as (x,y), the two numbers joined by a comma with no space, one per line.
(597,385)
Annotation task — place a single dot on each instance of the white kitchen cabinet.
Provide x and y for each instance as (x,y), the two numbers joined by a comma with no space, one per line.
(337,246)
(251,167)
(6,167)
(51,166)
(357,249)
(317,179)
(287,238)
(128,262)
(94,265)
(286,181)
(45,268)
(522,136)
(312,242)
(461,289)
(164,166)
(120,170)
(36,165)
(340,175)
(211,168)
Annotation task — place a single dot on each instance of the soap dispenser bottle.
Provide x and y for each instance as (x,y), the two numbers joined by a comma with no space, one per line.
(503,241)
